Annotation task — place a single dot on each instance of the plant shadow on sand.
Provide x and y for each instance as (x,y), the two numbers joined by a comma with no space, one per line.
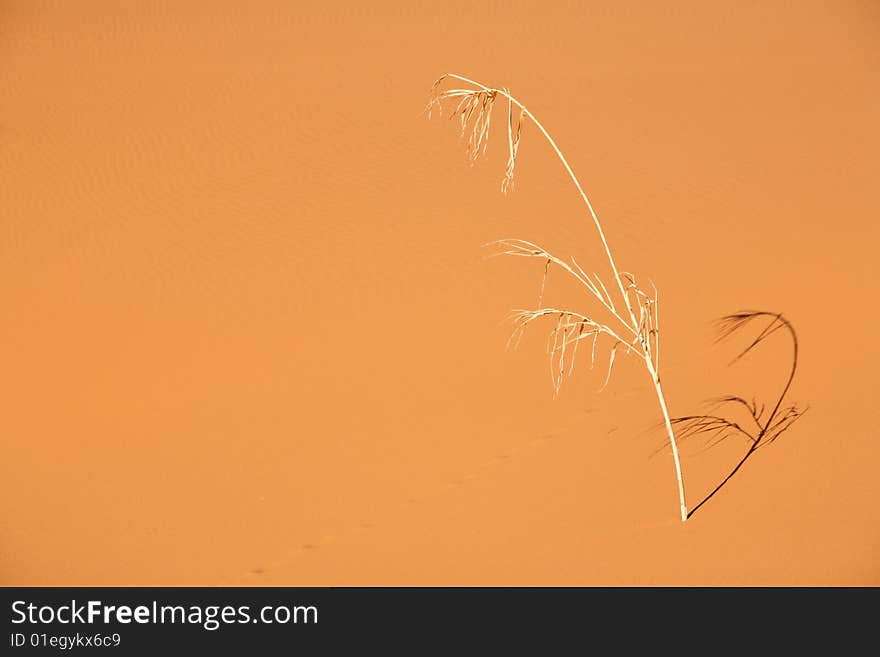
(763,428)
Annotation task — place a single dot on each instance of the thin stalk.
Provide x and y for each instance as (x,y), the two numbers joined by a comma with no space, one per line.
(656,381)
(635,325)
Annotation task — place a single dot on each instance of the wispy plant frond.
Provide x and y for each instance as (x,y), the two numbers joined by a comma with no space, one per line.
(513,137)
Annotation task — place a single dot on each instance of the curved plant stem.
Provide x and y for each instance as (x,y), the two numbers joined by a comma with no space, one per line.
(642,336)
(681,498)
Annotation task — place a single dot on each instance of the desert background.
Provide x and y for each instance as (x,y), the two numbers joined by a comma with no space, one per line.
(250,334)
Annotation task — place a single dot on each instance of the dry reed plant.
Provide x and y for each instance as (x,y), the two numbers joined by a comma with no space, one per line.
(635,312)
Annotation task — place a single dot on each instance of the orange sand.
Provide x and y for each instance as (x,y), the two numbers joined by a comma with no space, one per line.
(250,337)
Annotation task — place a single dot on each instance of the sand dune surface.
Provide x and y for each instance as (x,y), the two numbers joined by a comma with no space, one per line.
(250,334)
